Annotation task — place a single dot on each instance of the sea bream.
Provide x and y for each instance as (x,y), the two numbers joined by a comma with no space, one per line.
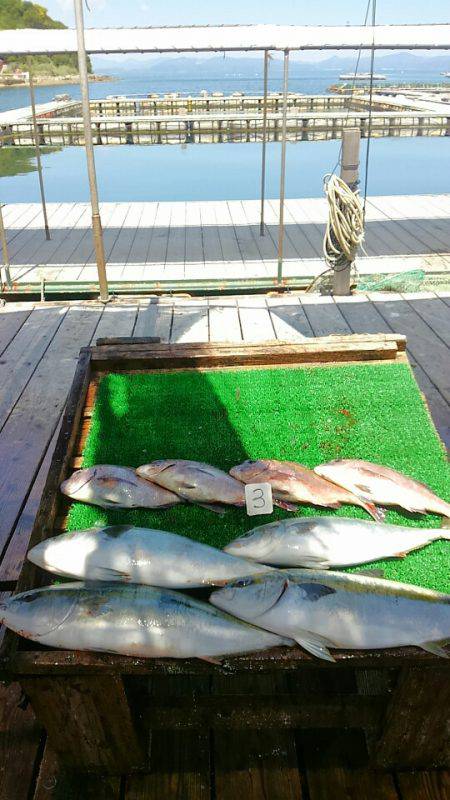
(324,542)
(109,486)
(139,555)
(195,482)
(293,483)
(323,610)
(378,484)
(131,620)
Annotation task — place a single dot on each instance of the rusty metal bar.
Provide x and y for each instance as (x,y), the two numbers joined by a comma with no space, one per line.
(283,166)
(264,142)
(6,261)
(38,149)
(89,147)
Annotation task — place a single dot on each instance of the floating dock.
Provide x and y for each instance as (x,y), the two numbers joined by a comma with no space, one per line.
(208,120)
(171,245)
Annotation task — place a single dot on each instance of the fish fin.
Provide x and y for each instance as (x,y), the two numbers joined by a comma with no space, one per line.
(315,591)
(371,573)
(216,507)
(314,563)
(402,553)
(109,574)
(285,505)
(314,644)
(378,514)
(435,648)
(211,660)
(331,505)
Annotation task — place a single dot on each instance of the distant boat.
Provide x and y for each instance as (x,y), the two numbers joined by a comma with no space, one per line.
(446,74)
(360,76)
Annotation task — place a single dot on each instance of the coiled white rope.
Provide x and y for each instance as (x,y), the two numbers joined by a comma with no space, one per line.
(345,226)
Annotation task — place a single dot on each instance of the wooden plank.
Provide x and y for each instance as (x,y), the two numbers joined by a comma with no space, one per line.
(228,240)
(56,783)
(224,325)
(88,722)
(212,246)
(415,731)
(433,311)
(194,235)
(10,323)
(256,764)
(155,319)
(177,233)
(21,358)
(190,321)
(288,318)
(430,785)
(20,737)
(139,248)
(32,422)
(256,322)
(336,769)
(179,769)
(157,249)
(117,320)
(323,315)
(13,558)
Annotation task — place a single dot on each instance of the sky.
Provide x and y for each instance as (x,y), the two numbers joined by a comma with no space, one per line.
(116,13)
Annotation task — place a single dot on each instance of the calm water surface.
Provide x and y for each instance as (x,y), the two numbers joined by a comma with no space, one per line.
(213,172)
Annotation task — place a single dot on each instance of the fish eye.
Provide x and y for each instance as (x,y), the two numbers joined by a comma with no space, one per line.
(243,582)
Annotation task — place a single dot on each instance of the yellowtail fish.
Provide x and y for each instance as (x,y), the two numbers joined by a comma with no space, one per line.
(323,610)
(139,555)
(109,486)
(377,484)
(323,542)
(131,620)
(195,481)
(293,483)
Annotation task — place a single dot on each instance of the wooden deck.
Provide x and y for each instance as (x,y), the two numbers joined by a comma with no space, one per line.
(161,244)
(39,345)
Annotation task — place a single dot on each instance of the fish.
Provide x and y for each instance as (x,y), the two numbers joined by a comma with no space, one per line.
(383,485)
(131,620)
(293,483)
(322,609)
(324,542)
(109,486)
(138,555)
(195,482)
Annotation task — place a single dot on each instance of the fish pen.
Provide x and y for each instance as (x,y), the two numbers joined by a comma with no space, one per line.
(313,401)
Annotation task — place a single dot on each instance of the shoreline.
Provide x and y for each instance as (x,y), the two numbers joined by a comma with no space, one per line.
(71,80)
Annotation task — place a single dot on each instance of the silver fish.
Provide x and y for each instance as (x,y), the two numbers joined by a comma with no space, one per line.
(131,620)
(109,486)
(294,483)
(138,555)
(323,542)
(383,485)
(323,610)
(194,481)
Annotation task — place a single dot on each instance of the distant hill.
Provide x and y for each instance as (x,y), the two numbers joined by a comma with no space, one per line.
(251,67)
(23,14)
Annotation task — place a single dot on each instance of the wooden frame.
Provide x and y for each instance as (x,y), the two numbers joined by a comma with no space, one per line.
(399,697)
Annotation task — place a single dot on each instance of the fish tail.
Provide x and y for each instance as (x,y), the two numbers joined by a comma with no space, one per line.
(376,513)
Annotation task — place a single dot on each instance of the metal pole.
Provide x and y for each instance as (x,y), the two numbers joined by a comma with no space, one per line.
(89,146)
(264,142)
(351,138)
(38,150)
(6,261)
(283,166)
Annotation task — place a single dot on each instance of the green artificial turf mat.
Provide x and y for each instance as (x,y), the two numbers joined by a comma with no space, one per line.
(310,415)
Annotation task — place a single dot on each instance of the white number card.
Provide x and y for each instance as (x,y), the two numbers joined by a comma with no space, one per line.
(258,498)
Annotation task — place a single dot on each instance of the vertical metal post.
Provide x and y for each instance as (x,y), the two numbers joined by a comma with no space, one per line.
(89,146)
(351,138)
(283,166)
(6,261)
(264,142)
(38,149)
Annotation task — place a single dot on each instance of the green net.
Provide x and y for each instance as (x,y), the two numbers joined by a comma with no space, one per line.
(410,281)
